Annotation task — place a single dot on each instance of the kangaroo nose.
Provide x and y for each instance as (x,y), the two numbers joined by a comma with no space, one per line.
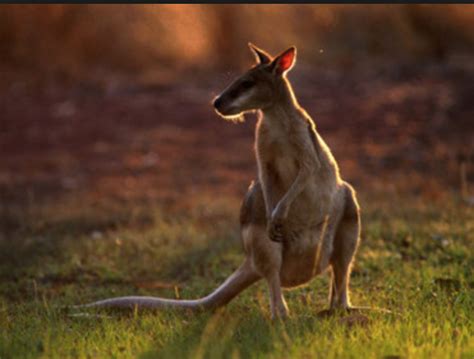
(217,102)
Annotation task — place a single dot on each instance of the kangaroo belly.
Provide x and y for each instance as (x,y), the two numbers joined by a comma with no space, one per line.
(298,269)
(307,255)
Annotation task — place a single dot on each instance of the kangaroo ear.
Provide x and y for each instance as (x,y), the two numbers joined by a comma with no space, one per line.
(285,61)
(261,56)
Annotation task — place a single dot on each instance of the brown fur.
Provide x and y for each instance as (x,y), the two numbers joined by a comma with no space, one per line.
(311,215)
(299,217)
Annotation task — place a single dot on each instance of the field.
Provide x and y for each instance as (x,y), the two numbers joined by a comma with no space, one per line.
(118,178)
(415,260)
(136,190)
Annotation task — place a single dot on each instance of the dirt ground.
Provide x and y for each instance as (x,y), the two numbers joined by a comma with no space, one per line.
(399,129)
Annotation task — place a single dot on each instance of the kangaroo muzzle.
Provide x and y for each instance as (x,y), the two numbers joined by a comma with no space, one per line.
(226,106)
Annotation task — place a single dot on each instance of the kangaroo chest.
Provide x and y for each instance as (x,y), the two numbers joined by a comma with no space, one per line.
(279,155)
(277,160)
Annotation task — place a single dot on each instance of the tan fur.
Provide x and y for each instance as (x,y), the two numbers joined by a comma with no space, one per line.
(299,217)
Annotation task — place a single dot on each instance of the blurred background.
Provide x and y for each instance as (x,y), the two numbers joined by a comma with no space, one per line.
(112,102)
(86,41)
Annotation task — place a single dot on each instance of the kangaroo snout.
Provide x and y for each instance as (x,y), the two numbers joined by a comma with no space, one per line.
(217,103)
(224,106)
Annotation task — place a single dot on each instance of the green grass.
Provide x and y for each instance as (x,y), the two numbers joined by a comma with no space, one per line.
(416,259)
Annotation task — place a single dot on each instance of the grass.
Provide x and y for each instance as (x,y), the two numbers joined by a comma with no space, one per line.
(415,259)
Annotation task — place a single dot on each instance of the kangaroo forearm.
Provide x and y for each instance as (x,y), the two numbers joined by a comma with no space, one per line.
(307,169)
(296,188)
(268,196)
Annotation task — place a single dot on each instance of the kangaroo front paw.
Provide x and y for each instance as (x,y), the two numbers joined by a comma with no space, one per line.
(276,231)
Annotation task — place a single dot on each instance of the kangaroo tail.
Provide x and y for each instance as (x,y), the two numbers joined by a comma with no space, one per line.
(242,278)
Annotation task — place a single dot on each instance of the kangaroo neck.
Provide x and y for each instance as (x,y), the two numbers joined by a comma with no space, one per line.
(285,109)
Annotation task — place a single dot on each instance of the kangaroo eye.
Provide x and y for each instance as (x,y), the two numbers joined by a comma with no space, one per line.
(247,84)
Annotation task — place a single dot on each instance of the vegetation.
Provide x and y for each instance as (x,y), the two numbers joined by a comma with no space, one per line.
(415,259)
(117,177)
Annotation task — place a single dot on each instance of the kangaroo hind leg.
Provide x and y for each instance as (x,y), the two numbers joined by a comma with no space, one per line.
(278,304)
(265,255)
(267,258)
(345,246)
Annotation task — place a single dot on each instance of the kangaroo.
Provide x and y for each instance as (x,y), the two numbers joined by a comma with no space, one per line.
(298,218)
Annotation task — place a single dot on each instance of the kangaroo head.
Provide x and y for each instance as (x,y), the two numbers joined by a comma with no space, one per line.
(258,88)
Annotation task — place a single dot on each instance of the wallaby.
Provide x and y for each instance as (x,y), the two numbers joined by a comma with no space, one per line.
(299,217)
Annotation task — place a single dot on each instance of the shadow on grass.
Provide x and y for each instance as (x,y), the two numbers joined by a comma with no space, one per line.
(220,334)
(35,239)
(246,331)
